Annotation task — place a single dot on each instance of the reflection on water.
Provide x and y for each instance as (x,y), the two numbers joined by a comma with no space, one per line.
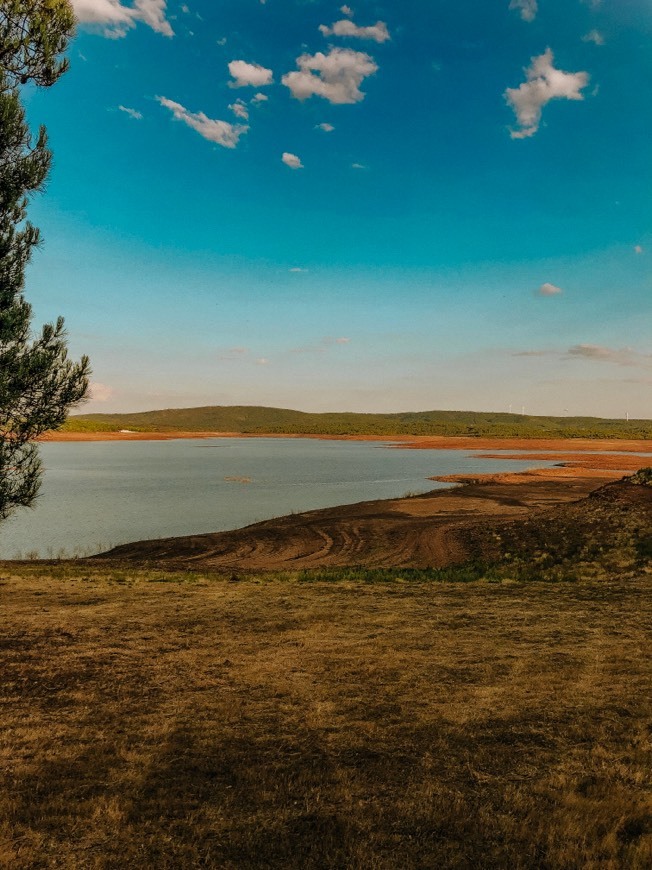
(99,494)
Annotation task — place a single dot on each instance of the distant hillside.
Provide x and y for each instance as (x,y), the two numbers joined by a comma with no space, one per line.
(258,420)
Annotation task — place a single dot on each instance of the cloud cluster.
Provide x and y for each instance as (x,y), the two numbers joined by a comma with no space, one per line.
(335,76)
(240,110)
(527,8)
(220,132)
(543,83)
(378,32)
(114,19)
(291,160)
(249,75)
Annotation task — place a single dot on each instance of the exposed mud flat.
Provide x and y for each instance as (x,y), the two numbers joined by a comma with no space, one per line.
(421,531)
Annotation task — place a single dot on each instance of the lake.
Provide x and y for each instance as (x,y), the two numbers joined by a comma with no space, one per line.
(96,495)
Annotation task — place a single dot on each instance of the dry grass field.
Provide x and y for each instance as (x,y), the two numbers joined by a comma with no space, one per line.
(161,720)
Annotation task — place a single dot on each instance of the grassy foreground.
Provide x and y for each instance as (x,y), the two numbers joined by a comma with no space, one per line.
(184,720)
(259,420)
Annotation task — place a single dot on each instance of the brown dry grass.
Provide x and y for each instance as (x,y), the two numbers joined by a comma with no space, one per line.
(154,720)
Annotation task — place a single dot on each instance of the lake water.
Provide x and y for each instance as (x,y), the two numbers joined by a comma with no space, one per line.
(96,495)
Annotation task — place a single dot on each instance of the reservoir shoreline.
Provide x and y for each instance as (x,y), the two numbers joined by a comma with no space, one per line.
(574,457)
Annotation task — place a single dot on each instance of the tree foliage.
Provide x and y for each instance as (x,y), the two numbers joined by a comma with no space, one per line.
(33,36)
(38,383)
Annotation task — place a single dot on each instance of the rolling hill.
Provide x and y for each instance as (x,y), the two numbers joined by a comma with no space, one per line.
(254,420)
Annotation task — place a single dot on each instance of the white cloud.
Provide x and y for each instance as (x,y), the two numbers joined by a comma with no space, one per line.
(100,392)
(259,98)
(544,83)
(593,36)
(152,12)
(240,110)
(115,19)
(549,290)
(527,8)
(262,361)
(133,113)
(378,31)
(297,270)
(220,132)
(335,76)
(638,249)
(622,357)
(291,160)
(358,166)
(346,10)
(327,128)
(249,75)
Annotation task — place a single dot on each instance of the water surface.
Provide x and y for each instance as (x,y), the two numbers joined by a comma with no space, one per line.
(99,494)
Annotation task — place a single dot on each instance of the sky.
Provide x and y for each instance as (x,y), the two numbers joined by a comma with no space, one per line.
(387,206)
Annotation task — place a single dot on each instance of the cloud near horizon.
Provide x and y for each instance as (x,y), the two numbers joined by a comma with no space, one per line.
(335,76)
(221,132)
(618,356)
(549,290)
(114,19)
(100,392)
(543,84)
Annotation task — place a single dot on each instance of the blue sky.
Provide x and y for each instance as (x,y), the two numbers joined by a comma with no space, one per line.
(374,207)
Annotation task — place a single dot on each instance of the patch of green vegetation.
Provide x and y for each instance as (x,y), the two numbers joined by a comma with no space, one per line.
(252,420)
(504,571)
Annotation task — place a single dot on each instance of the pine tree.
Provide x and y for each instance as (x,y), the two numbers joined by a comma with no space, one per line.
(38,383)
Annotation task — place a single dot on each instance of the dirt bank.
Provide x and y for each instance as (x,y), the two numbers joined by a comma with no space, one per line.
(426,530)
(412,442)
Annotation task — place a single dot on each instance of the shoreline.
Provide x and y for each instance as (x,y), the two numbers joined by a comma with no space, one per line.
(574,457)
(408,531)
(432,529)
